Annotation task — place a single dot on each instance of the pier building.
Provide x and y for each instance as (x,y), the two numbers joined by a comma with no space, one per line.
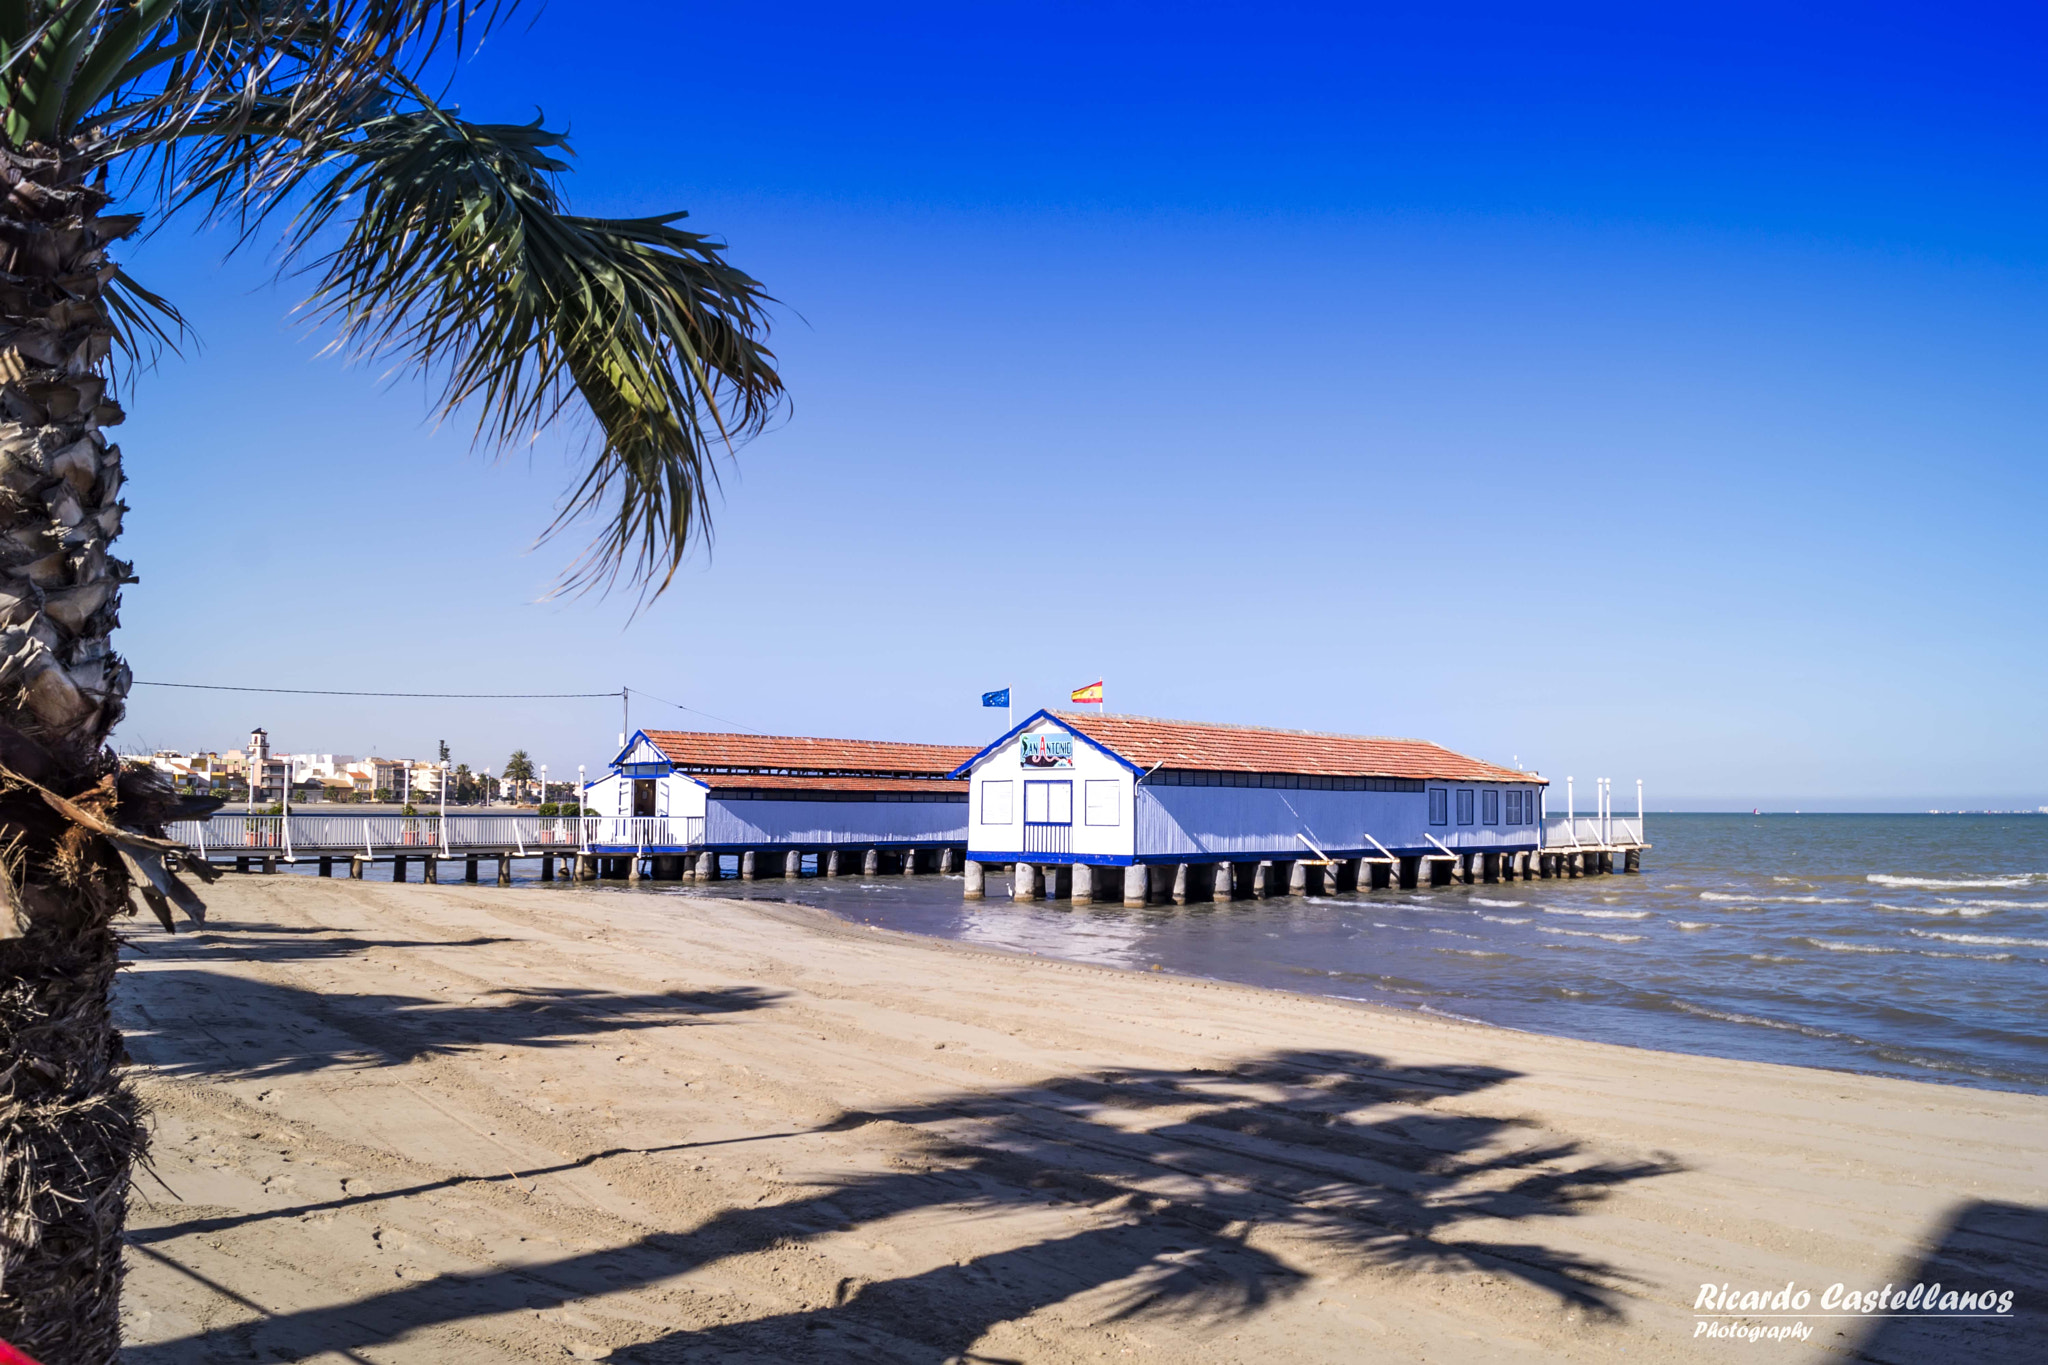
(699,804)
(1097,806)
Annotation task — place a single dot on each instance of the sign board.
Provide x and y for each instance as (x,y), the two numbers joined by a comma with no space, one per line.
(1047,751)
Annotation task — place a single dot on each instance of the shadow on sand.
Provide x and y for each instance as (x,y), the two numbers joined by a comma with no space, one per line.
(1983,1247)
(1165,1174)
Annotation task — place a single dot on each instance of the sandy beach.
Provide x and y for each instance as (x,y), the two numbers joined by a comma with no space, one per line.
(463,1124)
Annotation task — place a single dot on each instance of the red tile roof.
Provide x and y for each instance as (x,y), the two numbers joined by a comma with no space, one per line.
(1209,747)
(790,753)
(779,782)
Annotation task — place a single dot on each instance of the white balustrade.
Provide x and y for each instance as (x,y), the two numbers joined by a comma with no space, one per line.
(232,835)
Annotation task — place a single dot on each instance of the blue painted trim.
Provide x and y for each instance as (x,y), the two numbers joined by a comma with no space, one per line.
(1021,726)
(1050,859)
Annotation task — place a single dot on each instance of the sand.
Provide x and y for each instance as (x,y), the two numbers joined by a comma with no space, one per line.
(466,1124)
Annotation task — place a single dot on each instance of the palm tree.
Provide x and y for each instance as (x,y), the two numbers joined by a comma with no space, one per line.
(429,240)
(519,770)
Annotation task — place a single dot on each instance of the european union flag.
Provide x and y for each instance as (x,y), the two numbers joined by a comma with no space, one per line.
(1001,698)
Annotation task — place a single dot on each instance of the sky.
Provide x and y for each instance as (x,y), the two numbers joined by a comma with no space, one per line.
(1615,390)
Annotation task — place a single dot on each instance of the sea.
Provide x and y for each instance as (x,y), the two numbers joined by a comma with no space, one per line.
(1896,945)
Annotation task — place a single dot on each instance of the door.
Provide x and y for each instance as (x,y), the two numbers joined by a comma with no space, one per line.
(643,796)
(1049,817)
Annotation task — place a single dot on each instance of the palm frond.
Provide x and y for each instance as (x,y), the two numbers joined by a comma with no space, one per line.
(458,259)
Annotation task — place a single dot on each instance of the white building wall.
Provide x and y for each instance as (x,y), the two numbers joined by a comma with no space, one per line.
(846,823)
(1101,790)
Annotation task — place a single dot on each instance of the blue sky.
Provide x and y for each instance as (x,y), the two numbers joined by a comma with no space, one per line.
(1628,394)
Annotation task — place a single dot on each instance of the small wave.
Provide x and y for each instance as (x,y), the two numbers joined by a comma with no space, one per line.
(1473,952)
(1846,947)
(1968,957)
(1691,924)
(1500,905)
(1962,911)
(1505,919)
(1581,933)
(1771,957)
(1722,897)
(2007,883)
(1986,940)
(1784,1025)
(1994,905)
(1600,914)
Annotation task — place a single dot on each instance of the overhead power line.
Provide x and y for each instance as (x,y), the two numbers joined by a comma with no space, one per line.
(327,692)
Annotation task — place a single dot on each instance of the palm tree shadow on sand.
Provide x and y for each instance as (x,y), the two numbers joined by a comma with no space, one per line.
(1982,1248)
(1176,1172)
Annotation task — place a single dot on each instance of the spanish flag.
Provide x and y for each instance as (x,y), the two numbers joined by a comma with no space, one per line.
(1092,692)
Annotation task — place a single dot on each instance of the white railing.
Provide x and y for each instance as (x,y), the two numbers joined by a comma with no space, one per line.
(643,831)
(230,836)
(1591,831)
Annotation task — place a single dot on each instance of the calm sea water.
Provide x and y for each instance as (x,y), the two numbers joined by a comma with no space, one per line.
(1903,945)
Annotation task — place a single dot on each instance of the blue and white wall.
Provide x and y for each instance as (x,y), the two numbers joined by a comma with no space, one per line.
(1060,785)
(745,822)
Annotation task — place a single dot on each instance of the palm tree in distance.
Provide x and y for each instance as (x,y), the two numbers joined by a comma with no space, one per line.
(431,241)
(519,772)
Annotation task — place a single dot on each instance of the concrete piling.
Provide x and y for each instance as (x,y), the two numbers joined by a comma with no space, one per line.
(747,866)
(504,869)
(1220,888)
(1297,878)
(430,869)
(910,862)
(1084,884)
(871,863)
(1180,883)
(976,887)
(356,867)
(948,860)
(792,865)
(1023,882)
(1137,886)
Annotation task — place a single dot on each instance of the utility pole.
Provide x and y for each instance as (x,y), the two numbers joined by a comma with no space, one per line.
(625,714)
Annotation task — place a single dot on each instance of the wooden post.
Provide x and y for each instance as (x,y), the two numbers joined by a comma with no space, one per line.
(1489,867)
(1220,889)
(1084,884)
(327,867)
(1632,860)
(977,885)
(1180,883)
(871,863)
(792,866)
(1411,872)
(504,869)
(547,867)
(1023,882)
(242,865)
(270,865)
(430,869)
(1137,887)
(1441,870)
(398,868)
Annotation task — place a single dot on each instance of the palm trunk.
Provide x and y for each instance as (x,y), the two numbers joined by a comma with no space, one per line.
(70,1127)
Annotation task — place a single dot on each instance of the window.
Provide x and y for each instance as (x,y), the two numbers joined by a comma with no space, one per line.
(1048,803)
(1464,805)
(1514,808)
(1489,807)
(1105,802)
(1437,813)
(997,803)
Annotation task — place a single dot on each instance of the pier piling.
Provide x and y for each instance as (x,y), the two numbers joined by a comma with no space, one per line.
(1023,882)
(327,867)
(1137,886)
(792,865)
(1084,884)
(974,890)
(871,863)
